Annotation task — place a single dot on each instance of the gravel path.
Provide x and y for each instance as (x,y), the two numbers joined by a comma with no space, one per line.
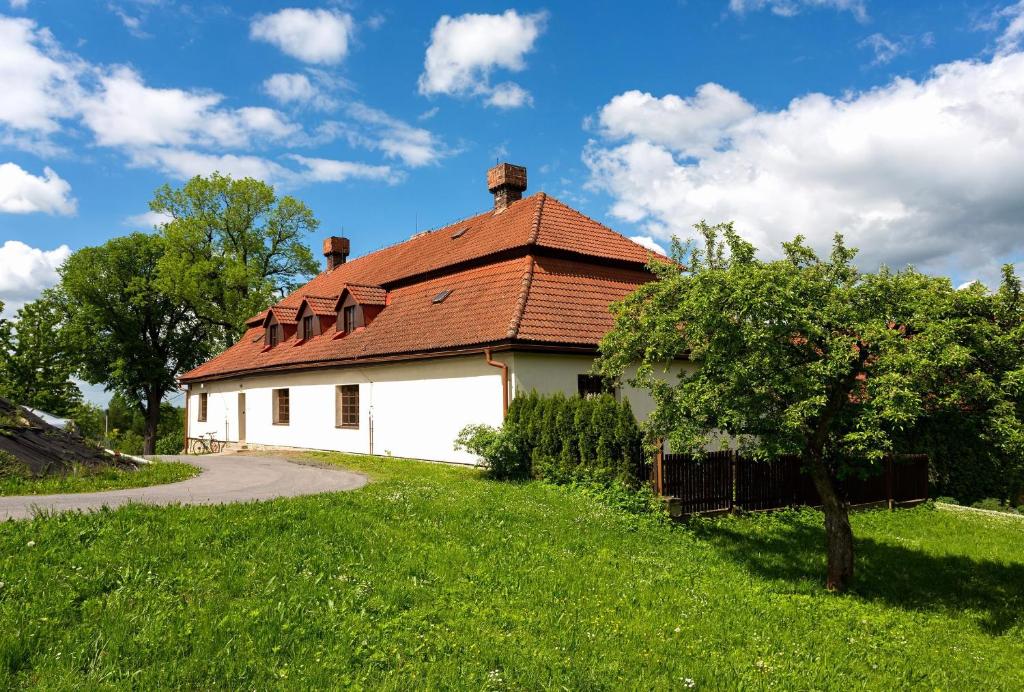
(224,479)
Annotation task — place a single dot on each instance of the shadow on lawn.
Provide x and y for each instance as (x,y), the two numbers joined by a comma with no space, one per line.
(902,577)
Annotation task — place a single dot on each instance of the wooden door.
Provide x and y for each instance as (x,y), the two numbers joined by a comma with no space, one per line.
(241,416)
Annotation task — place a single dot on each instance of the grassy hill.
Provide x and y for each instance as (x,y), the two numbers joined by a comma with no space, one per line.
(434,577)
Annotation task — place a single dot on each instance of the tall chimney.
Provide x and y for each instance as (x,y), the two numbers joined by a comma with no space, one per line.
(507,183)
(336,251)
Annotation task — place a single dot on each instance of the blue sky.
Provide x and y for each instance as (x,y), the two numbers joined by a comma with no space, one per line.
(900,124)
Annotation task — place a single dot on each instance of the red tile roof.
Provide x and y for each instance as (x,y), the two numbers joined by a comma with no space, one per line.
(322,305)
(538,272)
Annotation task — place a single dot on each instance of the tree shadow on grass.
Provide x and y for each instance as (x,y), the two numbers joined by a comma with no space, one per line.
(794,550)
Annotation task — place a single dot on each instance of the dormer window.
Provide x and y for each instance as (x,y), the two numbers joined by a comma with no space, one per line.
(307,327)
(275,335)
(348,315)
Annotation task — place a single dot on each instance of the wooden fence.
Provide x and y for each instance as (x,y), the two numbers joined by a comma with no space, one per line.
(726,481)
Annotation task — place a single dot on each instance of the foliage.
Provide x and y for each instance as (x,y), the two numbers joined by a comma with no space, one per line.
(89,420)
(561,439)
(800,355)
(994,505)
(430,578)
(34,368)
(975,434)
(171,443)
(500,449)
(11,468)
(88,479)
(233,248)
(127,442)
(123,329)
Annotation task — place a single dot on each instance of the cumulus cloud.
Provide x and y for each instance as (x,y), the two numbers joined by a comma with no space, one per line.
(649,243)
(18,4)
(24,193)
(288,88)
(925,172)
(465,50)
(313,36)
(124,111)
(27,272)
(791,8)
(37,80)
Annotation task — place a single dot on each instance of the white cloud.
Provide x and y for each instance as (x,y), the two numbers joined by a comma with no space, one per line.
(131,23)
(1013,35)
(464,50)
(24,193)
(125,112)
(330,170)
(147,219)
(926,172)
(289,88)
(28,271)
(649,243)
(694,126)
(885,49)
(313,36)
(790,8)
(18,4)
(185,163)
(509,95)
(38,82)
(414,146)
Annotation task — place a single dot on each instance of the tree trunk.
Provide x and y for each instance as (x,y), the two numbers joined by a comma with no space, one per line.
(838,534)
(152,421)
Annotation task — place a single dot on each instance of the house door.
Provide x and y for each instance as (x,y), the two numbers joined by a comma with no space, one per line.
(241,416)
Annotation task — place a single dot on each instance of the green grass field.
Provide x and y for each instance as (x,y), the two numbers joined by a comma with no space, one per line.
(85,480)
(432,577)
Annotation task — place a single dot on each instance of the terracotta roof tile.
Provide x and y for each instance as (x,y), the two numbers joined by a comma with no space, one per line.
(503,287)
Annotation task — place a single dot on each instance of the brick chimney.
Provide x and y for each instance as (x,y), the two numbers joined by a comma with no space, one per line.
(336,251)
(507,183)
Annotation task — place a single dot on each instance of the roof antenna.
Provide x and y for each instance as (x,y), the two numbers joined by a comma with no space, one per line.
(417,222)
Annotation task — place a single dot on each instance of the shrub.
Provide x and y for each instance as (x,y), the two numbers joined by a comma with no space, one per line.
(127,442)
(170,443)
(569,439)
(11,467)
(500,450)
(992,504)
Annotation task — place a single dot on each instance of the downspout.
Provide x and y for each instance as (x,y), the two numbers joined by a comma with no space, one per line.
(504,380)
(188,395)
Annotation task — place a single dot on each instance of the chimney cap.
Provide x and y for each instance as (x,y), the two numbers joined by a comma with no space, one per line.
(336,248)
(506,175)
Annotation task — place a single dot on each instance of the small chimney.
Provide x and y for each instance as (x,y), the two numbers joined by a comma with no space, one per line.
(507,183)
(336,251)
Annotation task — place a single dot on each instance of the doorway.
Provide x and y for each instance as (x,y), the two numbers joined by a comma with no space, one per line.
(241,416)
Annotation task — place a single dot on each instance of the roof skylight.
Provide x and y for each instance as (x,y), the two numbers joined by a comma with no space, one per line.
(459,233)
(439,298)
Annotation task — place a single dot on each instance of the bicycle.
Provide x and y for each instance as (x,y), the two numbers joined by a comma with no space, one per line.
(205,444)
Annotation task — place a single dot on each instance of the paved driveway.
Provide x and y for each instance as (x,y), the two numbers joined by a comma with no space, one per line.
(224,479)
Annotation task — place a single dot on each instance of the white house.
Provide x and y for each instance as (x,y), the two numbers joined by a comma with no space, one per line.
(395,351)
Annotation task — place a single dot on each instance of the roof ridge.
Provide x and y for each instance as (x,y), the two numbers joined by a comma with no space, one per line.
(535,231)
(524,292)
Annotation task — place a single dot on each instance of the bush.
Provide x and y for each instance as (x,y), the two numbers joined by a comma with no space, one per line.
(499,449)
(172,443)
(127,442)
(561,439)
(994,505)
(11,467)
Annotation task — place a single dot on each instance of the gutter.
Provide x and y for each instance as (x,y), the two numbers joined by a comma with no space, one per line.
(504,380)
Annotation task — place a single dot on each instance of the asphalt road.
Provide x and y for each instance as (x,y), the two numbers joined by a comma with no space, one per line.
(224,479)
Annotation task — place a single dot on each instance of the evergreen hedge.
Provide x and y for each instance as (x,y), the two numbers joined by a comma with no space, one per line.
(563,439)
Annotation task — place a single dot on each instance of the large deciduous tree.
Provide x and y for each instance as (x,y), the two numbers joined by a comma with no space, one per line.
(801,355)
(124,329)
(233,248)
(34,368)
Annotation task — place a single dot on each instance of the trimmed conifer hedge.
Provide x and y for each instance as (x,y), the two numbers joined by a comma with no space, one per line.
(563,439)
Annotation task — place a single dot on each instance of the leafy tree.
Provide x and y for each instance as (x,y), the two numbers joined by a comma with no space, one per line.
(800,355)
(34,368)
(233,248)
(124,329)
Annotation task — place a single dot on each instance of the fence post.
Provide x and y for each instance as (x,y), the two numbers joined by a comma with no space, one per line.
(732,480)
(889,483)
(659,475)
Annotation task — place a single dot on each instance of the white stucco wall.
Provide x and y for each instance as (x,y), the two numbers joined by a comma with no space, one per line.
(416,408)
